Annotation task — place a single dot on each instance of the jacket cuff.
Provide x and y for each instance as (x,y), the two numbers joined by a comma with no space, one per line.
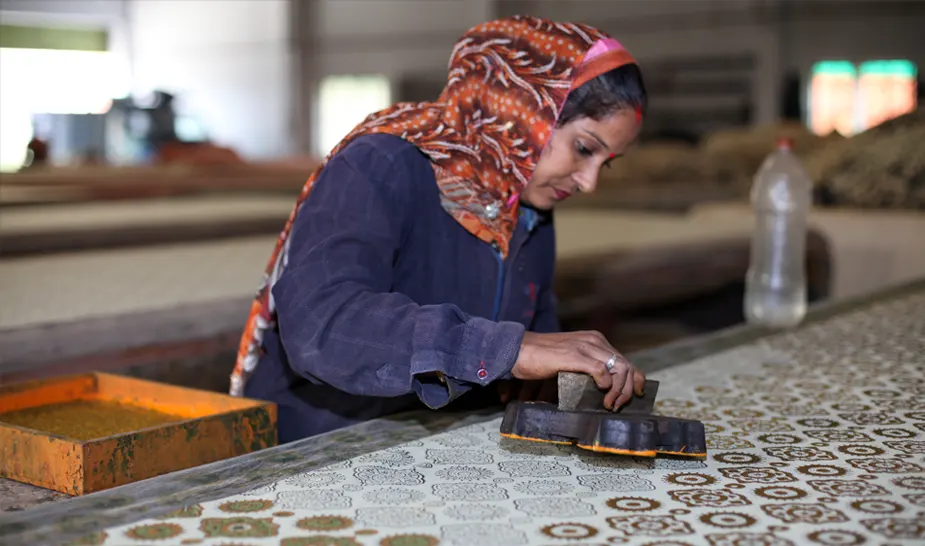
(487,353)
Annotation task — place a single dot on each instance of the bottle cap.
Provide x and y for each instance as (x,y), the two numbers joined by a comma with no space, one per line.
(785,143)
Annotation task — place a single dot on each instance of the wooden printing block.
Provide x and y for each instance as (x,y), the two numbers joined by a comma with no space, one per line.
(621,434)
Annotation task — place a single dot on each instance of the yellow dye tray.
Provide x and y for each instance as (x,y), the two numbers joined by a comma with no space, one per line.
(90,432)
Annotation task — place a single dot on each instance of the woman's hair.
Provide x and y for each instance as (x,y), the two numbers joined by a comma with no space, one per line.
(620,88)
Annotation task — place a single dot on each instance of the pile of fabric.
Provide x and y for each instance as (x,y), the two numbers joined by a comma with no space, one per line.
(883,167)
(738,153)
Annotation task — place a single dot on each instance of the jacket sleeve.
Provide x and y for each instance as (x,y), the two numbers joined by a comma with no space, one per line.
(338,320)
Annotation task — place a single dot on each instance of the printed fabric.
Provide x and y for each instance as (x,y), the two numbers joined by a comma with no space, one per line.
(816,437)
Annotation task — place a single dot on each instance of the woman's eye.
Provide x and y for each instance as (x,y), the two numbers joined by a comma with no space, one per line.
(583,150)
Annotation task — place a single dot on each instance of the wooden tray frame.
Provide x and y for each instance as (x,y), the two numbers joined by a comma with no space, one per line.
(216,427)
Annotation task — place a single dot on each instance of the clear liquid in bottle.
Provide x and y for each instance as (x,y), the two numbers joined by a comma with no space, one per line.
(775,285)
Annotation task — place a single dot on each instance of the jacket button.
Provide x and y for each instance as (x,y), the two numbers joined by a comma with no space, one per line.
(482,373)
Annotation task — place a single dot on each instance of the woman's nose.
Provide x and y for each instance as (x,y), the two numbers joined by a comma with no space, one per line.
(586,179)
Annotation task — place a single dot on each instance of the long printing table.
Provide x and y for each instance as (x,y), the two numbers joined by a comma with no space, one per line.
(816,436)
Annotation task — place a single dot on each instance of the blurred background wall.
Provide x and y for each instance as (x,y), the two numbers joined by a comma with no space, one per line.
(250,72)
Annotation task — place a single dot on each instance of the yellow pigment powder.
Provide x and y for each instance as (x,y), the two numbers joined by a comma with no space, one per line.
(87,419)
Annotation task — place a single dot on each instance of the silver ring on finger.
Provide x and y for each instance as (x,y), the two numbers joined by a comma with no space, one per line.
(611,363)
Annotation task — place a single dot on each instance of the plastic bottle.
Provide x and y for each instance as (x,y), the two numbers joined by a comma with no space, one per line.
(775,285)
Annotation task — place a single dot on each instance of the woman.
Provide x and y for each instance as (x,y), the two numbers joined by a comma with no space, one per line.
(417,265)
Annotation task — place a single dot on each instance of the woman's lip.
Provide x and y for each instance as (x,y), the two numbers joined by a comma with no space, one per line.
(560,195)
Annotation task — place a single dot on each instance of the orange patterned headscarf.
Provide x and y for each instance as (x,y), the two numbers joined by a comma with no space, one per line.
(508,80)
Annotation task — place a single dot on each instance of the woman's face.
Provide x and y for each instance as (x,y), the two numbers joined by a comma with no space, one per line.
(575,154)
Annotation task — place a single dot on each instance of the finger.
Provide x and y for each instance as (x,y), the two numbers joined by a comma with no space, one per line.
(640,382)
(627,393)
(599,353)
(597,339)
(580,363)
(619,375)
(603,352)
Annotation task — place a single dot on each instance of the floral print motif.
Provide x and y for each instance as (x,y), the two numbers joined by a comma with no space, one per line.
(747,539)
(833,537)
(792,513)
(887,466)
(458,456)
(487,534)
(393,495)
(395,517)
(471,492)
(799,454)
(834,436)
(244,506)
(464,473)
(476,512)
(238,527)
(615,482)
(319,540)
(713,498)
(380,475)
(736,458)
(315,479)
(847,488)
(907,446)
(650,526)
(544,487)
(912,482)
(876,506)
(410,540)
(729,520)
(720,442)
(756,474)
(693,479)
(156,531)
(897,528)
(633,504)
(570,531)
(324,523)
(533,469)
(555,507)
(313,499)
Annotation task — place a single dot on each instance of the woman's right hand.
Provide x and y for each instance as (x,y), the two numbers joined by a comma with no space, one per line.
(543,356)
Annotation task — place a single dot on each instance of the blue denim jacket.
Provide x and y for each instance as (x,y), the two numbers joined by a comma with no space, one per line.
(388,304)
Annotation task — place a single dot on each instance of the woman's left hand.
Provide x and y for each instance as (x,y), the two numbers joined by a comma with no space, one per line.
(546,390)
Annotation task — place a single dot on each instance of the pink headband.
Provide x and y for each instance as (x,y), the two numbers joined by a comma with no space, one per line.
(602,46)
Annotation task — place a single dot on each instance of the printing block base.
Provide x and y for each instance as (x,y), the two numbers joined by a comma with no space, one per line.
(636,435)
